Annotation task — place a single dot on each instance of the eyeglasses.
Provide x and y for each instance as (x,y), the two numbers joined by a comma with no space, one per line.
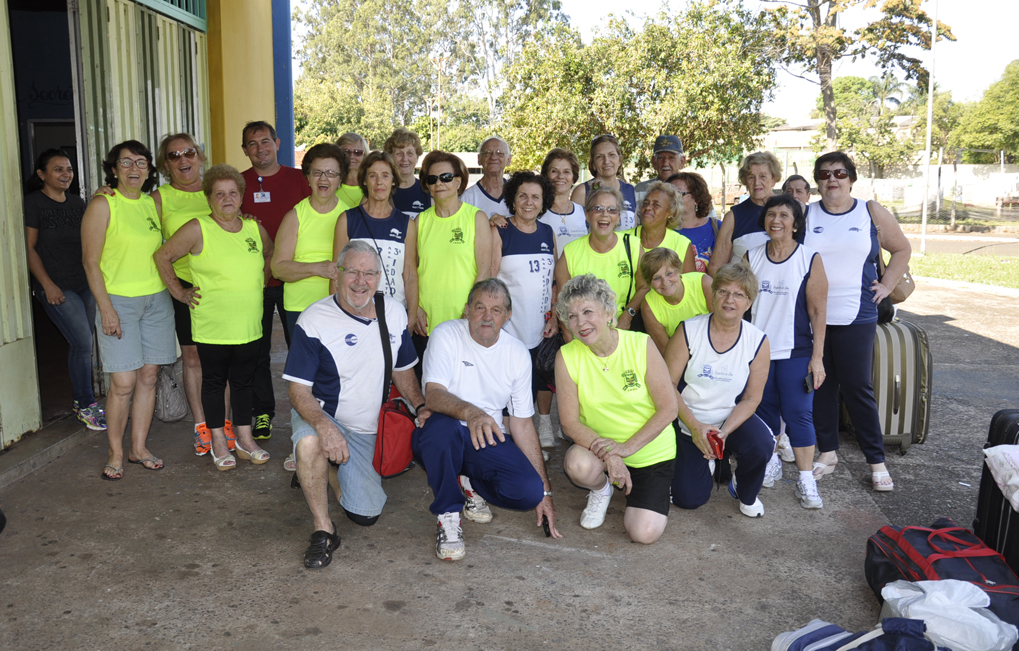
(736,296)
(188,153)
(682,193)
(612,210)
(447,177)
(329,174)
(493,152)
(824,175)
(355,273)
(127,163)
(354,152)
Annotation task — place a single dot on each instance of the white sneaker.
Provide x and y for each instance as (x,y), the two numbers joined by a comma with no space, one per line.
(545,436)
(449,538)
(476,509)
(755,510)
(773,471)
(785,449)
(806,491)
(593,515)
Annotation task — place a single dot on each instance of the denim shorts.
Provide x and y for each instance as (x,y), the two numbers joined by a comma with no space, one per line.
(360,486)
(148,337)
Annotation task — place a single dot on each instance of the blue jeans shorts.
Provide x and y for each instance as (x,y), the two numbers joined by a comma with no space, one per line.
(360,486)
(148,333)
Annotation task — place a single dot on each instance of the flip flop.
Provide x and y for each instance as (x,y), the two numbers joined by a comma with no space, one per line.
(822,469)
(153,460)
(119,472)
(878,481)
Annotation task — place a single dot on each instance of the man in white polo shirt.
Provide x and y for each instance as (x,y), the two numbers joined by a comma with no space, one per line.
(336,369)
(472,371)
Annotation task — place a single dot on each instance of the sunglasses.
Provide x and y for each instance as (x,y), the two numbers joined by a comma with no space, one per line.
(188,153)
(432,179)
(824,175)
(354,152)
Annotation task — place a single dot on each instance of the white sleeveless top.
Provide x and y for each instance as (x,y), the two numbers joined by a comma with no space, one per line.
(848,245)
(780,309)
(713,382)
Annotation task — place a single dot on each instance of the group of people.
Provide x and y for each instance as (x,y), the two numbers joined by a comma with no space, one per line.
(683,341)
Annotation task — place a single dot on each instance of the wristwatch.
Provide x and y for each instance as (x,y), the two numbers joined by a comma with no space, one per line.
(632,312)
(548,493)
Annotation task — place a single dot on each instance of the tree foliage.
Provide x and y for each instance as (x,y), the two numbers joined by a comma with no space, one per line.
(702,74)
(947,115)
(812,34)
(993,122)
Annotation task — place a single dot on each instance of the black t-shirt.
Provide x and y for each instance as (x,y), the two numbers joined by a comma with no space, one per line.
(59,243)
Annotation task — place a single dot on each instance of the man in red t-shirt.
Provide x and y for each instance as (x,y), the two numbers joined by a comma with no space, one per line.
(271,190)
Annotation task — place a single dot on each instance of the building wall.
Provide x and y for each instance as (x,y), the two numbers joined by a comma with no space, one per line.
(240,74)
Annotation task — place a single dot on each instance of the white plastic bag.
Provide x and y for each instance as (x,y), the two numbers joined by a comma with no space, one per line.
(955,612)
(1003,462)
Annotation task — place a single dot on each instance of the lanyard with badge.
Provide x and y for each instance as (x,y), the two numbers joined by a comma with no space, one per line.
(261,196)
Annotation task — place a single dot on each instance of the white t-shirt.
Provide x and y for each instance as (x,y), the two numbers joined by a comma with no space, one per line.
(339,355)
(477,197)
(489,378)
(566,227)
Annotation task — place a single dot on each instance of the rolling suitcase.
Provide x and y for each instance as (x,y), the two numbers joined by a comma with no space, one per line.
(902,372)
(997,523)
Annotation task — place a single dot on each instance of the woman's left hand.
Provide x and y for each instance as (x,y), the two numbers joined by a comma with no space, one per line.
(619,474)
(880,291)
(816,366)
(551,328)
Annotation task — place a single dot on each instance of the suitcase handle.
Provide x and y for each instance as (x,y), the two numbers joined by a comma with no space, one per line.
(895,399)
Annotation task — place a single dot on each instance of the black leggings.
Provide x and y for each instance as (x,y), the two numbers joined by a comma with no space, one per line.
(220,363)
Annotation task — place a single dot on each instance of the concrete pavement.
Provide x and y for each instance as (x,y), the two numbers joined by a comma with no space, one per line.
(189,557)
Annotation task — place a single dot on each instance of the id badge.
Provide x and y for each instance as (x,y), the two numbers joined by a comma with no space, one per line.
(262,197)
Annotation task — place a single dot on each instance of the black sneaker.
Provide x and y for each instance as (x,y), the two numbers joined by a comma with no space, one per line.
(263,427)
(320,551)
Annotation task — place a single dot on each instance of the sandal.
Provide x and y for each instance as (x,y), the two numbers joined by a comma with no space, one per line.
(118,473)
(822,469)
(257,457)
(290,463)
(157,464)
(223,463)
(881,481)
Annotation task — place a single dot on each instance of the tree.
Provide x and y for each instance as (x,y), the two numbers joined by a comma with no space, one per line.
(872,138)
(887,88)
(701,74)
(365,62)
(465,123)
(993,122)
(809,33)
(947,114)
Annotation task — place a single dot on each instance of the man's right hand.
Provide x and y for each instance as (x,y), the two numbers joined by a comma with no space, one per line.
(484,430)
(334,446)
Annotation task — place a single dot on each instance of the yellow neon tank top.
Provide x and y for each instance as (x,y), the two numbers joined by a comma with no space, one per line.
(615,403)
(229,273)
(131,240)
(692,304)
(350,195)
(180,207)
(314,244)
(447,267)
(612,267)
(672,240)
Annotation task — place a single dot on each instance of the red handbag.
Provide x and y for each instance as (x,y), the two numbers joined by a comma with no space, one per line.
(393,455)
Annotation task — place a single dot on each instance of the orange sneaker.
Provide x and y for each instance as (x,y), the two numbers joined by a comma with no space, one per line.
(231,438)
(203,439)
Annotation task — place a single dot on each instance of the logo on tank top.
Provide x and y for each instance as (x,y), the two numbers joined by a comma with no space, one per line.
(630,382)
(854,229)
(819,229)
(152,224)
(624,269)
(778,289)
(395,232)
(714,374)
(544,246)
(252,245)
(458,236)
(417,205)
(350,340)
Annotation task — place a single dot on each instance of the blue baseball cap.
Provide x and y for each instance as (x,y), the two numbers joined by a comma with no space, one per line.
(669,143)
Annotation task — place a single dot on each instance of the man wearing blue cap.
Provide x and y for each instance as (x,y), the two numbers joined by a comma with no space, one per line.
(667,159)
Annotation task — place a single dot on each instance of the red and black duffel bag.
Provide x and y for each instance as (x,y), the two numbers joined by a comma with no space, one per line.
(944,551)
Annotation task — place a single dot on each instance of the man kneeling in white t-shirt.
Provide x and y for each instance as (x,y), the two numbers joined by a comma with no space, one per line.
(472,370)
(336,369)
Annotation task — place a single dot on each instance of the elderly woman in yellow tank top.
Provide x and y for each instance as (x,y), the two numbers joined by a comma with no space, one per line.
(616,403)
(454,247)
(303,258)
(674,296)
(228,258)
(119,234)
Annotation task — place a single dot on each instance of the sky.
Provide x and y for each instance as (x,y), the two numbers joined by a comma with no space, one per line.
(984,29)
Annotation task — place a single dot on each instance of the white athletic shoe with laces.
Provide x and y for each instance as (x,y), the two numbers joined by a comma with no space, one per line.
(476,509)
(773,471)
(806,491)
(755,510)
(785,449)
(449,538)
(593,515)
(545,436)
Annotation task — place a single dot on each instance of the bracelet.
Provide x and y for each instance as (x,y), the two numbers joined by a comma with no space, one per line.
(419,407)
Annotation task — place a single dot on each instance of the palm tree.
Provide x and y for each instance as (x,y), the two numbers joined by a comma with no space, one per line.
(887,88)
